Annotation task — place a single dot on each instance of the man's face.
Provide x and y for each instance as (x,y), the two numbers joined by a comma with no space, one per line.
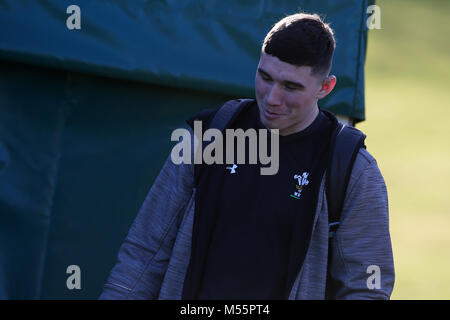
(287,94)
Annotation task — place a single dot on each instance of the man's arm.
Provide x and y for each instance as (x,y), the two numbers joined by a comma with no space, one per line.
(362,264)
(145,253)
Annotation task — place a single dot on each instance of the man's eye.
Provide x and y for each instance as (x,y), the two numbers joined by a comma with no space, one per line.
(265,78)
(290,88)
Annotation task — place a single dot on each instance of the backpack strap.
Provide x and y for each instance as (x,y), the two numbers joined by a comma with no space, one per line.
(345,146)
(222,119)
(346,142)
(227,113)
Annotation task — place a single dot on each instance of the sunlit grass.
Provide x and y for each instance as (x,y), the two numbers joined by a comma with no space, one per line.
(408,128)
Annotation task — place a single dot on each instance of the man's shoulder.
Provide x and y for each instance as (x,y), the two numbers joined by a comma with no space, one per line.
(365,164)
(363,160)
(204,115)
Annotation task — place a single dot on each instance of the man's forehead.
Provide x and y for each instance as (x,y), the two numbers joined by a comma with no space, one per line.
(272,64)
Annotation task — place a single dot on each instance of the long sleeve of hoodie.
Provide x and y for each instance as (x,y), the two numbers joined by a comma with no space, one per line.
(144,255)
(362,264)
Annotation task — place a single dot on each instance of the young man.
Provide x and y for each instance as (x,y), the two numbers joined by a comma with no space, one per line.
(221,232)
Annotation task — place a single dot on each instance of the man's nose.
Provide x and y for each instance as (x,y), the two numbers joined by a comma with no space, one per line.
(274,95)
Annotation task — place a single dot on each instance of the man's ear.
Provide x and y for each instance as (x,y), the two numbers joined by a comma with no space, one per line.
(327,85)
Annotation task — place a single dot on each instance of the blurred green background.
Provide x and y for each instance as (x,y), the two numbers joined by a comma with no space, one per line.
(408,131)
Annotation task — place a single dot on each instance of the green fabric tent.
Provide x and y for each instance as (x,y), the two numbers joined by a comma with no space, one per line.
(86,115)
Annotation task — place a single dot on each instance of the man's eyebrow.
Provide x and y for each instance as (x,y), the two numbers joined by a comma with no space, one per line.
(264,72)
(286,82)
(294,84)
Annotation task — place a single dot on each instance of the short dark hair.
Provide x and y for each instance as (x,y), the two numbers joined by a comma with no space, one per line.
(302,39)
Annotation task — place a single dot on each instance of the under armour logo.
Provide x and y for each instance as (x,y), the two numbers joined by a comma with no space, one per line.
(232,169)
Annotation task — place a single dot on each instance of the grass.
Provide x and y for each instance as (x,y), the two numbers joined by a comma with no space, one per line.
(408,129)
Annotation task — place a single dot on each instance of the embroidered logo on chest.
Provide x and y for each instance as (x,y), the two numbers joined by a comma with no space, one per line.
(302,180)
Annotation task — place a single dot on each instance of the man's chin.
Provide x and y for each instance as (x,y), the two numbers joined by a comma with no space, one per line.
(270,124)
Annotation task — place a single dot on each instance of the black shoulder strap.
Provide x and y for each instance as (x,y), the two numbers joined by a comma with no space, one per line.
(221,120)
(345,145)
(227,113)
(344,148)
